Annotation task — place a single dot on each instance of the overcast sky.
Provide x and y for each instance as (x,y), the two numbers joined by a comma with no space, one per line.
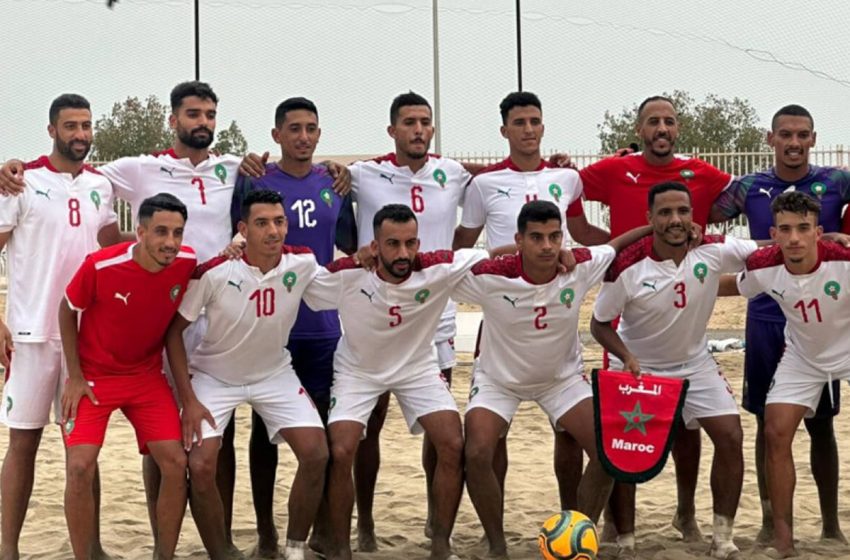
(353,56)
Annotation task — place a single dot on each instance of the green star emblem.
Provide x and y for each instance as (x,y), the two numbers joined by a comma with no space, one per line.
(636,419)
(174,292)
(422,295)
(289,280)
(686,174)
(327,197)
(818,189)
(567,297)
(701,271)
(440,176)
(555,191)
(832,289)
(95,197)
(221,173)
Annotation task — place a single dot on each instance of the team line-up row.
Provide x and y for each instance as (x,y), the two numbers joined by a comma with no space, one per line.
(117,308)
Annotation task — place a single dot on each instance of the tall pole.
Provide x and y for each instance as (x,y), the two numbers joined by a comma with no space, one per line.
(438,144)
(197,41)
(519,44)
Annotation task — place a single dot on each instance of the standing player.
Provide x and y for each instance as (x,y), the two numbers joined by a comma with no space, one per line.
(494,199)
(251,304)
(123,299)
(623,183)
(792,135)
(397,310)
(807,278)
(531,351)
(665,292)
(63,200)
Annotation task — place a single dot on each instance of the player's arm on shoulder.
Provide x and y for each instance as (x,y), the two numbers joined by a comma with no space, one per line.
(837,236)
(325,289)
(124,174)
(111,234)
(622,241)
(253,165)
(472,219)
(346,227)
(465,237)
(730,202)
(728,286)
(583,231)
(12,177)
(341,176)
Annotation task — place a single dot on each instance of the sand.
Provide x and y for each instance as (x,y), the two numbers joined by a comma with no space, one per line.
(399,504)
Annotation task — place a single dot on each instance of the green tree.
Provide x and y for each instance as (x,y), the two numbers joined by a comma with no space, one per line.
(133,128)
(716,124)
(231,141)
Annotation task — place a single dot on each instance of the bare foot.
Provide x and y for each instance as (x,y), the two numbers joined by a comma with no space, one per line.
(784,553)
(688,526)
(833,535)
(265,551)
(609,533)
(765,535)
(318,544)
(366,540)
(234,553)
(724,551)
(626,553)
(99,554)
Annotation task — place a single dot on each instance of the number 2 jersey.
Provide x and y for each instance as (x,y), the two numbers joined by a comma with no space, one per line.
(54,224)
(665,308)
(816,305)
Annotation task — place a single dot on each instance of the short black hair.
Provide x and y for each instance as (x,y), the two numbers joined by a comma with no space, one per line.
(396,213)
(406,100)
(161,202)
(539,211)
(518,99)
(259,196)
(792,111)
(189,89)
(67,101)
(649,100)
(293,104)
(667,186)
(795,202)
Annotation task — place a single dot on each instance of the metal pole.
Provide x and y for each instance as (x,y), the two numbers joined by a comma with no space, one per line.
(436,47)
(197,41)
(519,44)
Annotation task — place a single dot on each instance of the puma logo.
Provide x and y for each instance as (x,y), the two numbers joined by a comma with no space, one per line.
(45,194)
(634,178)
(505,192)
(123,297)
(780,294)
(166,170)
(765,192)
(235,285)
(388,177)
(512,301)
(367,294)
(650,285)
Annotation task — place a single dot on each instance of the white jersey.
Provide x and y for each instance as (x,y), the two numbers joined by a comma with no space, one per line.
(530,333)
(249,313)
(497,194)
(54,224)
(433,193)
(665,308)
(206,190)
(816,305)
(388,329)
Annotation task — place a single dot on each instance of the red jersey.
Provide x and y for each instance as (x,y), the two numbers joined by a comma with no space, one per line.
(125,309)
(623,183)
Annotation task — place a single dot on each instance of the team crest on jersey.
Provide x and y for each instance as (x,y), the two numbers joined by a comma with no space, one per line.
(174,292)
(289,280)
(440,177)
(327,197)
(567,297)
(555,191)
(221,173)
(95,197)
(818,189)
(832,289)
(700,271)
(422,295)
(686,174)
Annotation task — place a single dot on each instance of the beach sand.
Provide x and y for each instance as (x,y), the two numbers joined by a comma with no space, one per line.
(400,501)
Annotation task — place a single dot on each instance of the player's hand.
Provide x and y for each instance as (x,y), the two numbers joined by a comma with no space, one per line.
(631,364)
(6,346)
(194,413)
(341,176)
(75,389)
(365,258)
(626,151)
(840,238)
(695,236)
(233,251)
(253,165)
(561,160)
(12,177)
(566,261)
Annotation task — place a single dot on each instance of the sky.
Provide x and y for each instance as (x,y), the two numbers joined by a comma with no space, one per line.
(353,56)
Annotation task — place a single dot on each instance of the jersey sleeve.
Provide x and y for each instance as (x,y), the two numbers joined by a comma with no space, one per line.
(12,210)
(594,179)
(244,185)
(474,214)
(325,290)
(716,179)
(463,260)
(470,289)
(465,179)
(731,200)
(601,258)
(82,288)
(611,300)
(124,175)
(198,294)
(749,284)
(734,253)
(354,169)
(346,226)
(842,177)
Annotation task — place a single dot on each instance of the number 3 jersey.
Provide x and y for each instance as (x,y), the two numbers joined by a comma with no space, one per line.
(816,305)
(388,329)
(54,224)
(250,314)
(665,308)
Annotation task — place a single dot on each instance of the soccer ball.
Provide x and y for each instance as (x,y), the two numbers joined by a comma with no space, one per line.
(568,535)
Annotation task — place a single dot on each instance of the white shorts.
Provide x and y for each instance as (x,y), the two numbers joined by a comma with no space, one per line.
(709,393)
(192,337)
(34,383)
(280,400)
(556,399)
(797,382)
(353,397)
(444,339)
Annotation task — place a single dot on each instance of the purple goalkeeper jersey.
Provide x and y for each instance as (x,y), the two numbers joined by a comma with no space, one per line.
(752,195)
(318,218)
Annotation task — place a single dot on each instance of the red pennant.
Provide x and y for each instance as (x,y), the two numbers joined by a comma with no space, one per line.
(636,422)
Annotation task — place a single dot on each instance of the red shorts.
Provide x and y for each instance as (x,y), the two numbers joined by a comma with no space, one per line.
(145,399)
